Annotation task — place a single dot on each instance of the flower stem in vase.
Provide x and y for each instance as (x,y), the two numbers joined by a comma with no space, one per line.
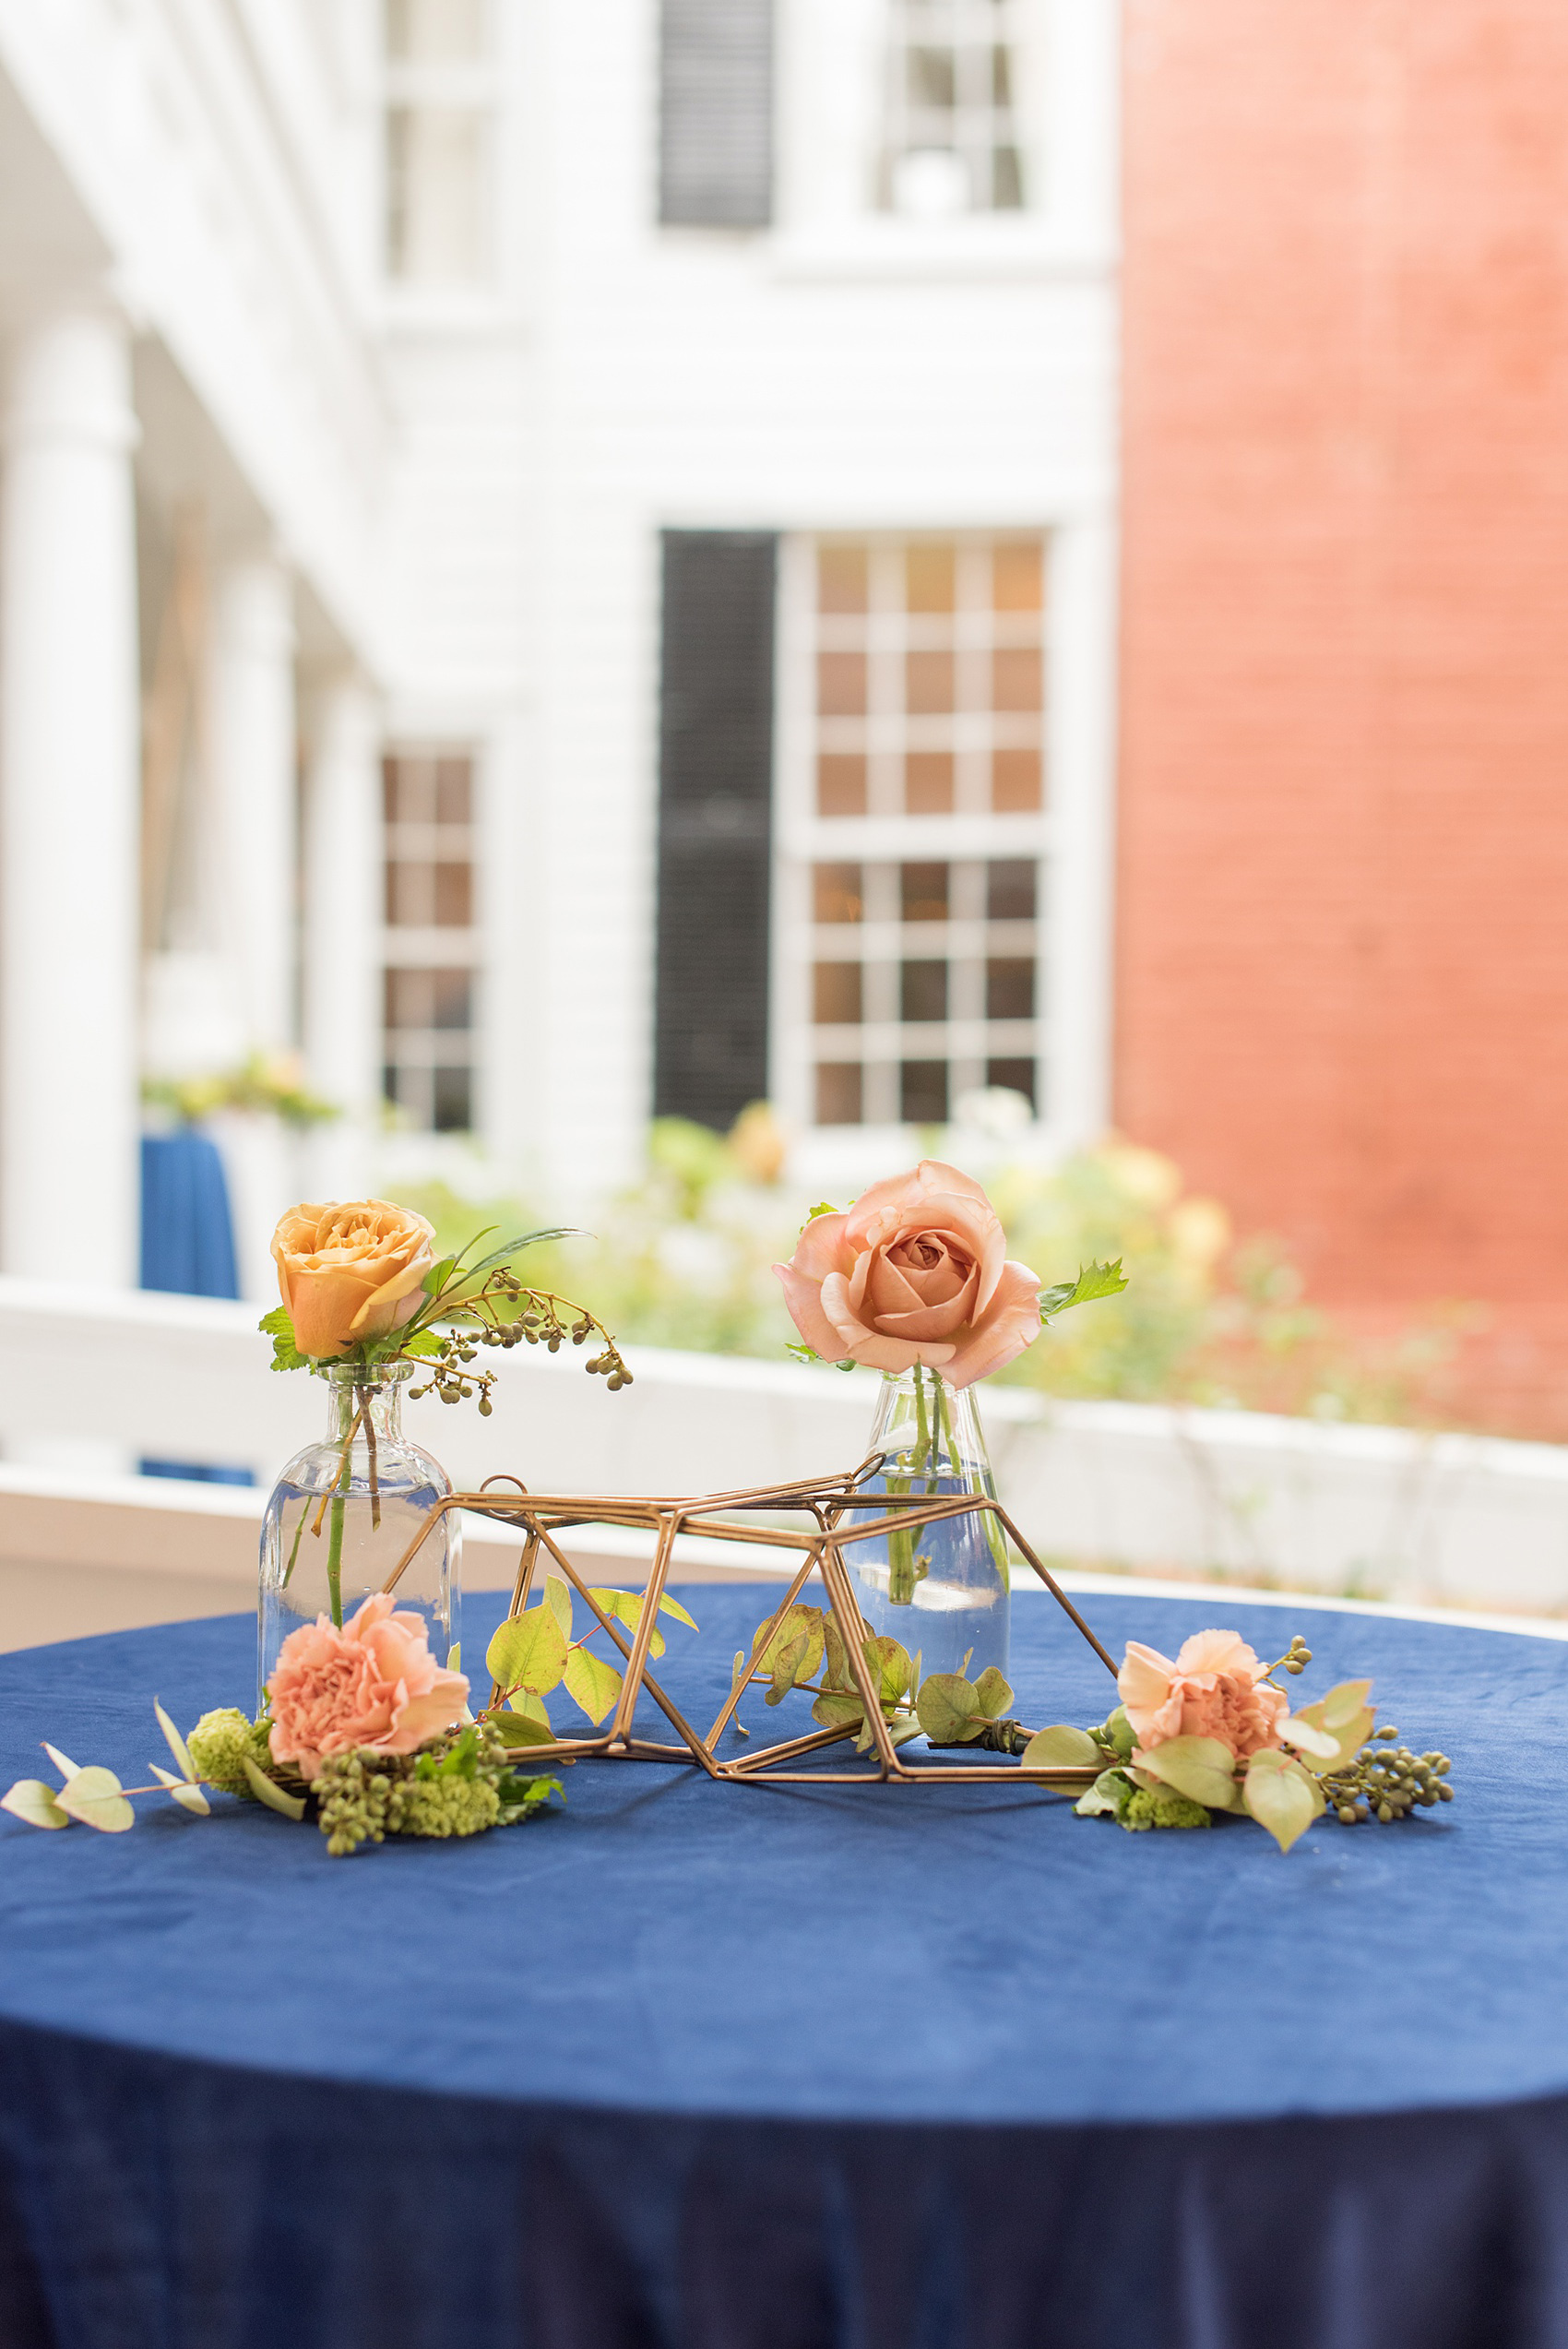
(904,1570)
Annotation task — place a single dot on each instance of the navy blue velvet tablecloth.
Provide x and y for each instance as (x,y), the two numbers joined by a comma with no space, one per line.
(698,2067)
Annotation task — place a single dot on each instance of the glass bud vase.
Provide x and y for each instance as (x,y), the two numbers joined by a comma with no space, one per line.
(344,1511)
(945,1588)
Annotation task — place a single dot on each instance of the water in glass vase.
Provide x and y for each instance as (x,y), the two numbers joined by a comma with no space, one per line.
(343,1512)
(944,1588)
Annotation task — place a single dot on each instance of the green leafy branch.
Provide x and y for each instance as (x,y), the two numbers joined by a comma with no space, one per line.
(534,1652)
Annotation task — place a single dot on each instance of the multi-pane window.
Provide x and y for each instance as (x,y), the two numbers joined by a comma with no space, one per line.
(915,826)
(439,141)
(430,944)
(952,142)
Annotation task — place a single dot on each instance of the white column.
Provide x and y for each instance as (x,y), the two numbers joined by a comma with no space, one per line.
(69,808)
(255,797)
(254,773)
(342,928)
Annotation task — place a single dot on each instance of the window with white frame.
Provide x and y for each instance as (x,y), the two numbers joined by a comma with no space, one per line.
(913,825)
(431,942)
(952,142)
(440,138)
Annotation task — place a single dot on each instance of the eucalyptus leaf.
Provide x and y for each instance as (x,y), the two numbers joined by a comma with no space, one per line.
(948,1709)
(592,1683)
(802,1633)
(994,1692)
(1060,1748)
(1280,1797)
(790,1665)
(266,1790)
(527,1651)
(1200,1767)
(517,1729)
(189,1797)
(836,1673)
(1119,1729)
(62,1762)
(1110,1793)
(1348,1735)
(176,1744)
(32,1800)
(890,1666)
(1342,1704)
(96,1798)
(835,1711)
(1309,1739)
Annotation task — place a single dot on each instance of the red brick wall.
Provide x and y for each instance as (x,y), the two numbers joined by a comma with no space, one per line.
(1342,991)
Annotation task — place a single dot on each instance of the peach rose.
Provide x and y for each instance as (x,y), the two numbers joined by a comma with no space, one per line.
(374,1683)
(1211,1690)
(351,1271)
(916,1271)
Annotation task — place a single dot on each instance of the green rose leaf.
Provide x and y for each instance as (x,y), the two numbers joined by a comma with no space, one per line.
(1094,1281)
(32,1800)
(527,1651)
(948,1709)
(592,1683)
(190,1798)
(1061,1747)
(1281,1797)
(1110,1793)
(423,1344)
(278,1326)
(97,1798)
(1200,1767)
(268,1791)
(994,1692)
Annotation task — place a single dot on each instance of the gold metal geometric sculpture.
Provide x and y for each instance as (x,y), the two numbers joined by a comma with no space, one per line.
(820,1547)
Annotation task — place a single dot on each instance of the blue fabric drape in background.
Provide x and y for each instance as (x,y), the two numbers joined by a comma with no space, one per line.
(187,1246)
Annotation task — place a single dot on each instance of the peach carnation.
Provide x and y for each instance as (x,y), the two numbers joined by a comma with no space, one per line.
(1213,1690)
(374,1683)
(916,1271)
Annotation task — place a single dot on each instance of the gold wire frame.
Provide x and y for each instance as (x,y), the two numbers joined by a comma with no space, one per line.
(540,1516)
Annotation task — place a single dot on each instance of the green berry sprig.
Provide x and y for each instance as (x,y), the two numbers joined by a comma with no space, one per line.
(1386,1782)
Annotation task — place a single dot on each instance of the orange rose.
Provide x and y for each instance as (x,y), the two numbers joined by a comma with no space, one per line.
(351,1271)
(916,1271)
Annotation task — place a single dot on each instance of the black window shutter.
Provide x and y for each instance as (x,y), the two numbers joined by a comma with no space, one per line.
(714,823)
(716,113)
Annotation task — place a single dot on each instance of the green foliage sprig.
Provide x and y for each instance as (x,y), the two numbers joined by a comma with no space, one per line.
(458,1784)
(467,1307)
(535,1652)
(269,1087)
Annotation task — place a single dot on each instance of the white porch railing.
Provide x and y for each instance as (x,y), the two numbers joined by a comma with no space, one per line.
(95,1377)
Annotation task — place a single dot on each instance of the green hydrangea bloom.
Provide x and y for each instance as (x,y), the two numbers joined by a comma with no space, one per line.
(219,1744)
(1161,1806)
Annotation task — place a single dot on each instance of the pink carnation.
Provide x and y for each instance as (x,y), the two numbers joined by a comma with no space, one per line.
(916,1271)
(374,1683)
(1213,1689)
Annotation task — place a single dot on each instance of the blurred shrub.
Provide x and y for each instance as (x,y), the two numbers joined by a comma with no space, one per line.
(684,1259)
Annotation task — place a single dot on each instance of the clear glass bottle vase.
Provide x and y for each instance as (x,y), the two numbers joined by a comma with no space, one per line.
(344,1511)
(945,1588)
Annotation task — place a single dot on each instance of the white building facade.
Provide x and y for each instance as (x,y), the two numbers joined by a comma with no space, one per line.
(556,557)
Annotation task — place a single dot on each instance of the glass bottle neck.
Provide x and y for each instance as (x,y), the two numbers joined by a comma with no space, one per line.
(373,1403)
(923,1425)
